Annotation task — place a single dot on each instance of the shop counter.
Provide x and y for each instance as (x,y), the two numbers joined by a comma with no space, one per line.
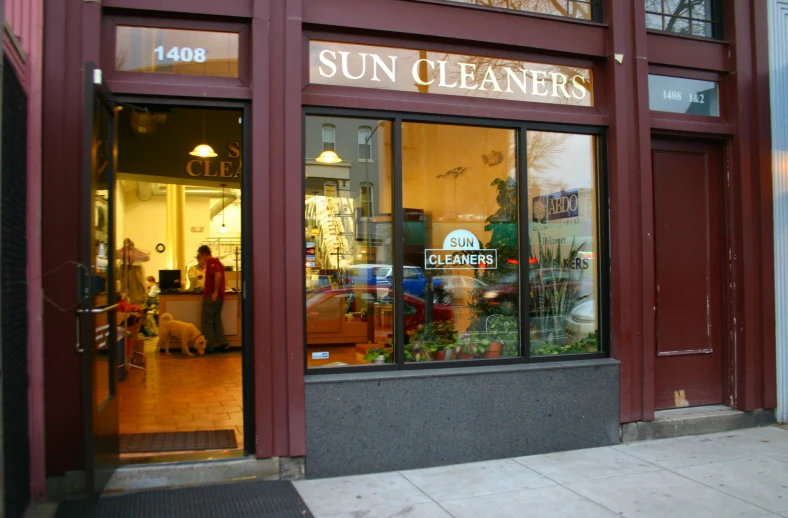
(187,307)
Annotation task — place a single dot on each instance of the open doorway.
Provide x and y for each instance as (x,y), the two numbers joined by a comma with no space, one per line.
(179,193)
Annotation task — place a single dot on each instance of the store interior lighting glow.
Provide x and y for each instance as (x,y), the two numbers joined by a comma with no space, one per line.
(328,157)
(203,150)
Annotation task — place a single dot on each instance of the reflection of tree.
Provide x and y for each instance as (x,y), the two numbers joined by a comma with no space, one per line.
(676,11)
(570,8)
(543,148)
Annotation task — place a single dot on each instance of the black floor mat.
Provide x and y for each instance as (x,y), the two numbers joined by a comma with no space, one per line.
(178,441)
(275,499)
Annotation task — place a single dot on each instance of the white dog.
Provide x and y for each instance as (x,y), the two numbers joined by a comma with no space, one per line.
(187,333)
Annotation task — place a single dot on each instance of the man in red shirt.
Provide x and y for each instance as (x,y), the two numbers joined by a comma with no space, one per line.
(212,301)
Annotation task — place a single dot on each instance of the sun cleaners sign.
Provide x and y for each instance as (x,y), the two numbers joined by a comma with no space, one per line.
(461,251)
(342,64)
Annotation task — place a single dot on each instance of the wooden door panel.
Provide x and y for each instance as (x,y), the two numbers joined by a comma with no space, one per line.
(688,274)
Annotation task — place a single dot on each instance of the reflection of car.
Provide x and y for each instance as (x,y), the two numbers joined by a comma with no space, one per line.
(414,282)
(323,282)
(581,320)
(368,275)
(506,290)
(332,316)
(460,287)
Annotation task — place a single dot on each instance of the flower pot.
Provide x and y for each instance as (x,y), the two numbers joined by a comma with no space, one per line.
(494,351)
(466,356)
(380,359)
(440,355)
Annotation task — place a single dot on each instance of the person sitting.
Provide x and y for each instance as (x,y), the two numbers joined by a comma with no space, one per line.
(153,291)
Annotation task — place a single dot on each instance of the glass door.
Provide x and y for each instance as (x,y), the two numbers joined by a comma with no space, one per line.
(96,318)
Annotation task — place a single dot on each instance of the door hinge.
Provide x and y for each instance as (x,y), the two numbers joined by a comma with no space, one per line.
(97,76)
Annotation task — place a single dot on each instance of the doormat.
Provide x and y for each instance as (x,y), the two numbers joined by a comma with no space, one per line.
(178,441)
(271,499)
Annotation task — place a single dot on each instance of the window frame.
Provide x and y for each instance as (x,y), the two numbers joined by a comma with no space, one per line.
(398,218)
(716,20)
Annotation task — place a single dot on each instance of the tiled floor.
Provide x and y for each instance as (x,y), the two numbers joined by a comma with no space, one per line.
(183,393)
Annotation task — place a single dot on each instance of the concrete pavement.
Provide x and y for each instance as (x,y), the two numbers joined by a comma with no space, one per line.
(742,473)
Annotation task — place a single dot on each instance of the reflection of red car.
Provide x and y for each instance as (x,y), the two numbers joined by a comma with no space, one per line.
(333,316)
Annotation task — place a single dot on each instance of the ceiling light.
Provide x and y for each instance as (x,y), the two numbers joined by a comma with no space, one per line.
(328,157)
(203,150)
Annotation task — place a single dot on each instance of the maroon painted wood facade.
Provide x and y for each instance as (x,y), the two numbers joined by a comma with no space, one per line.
(276,90)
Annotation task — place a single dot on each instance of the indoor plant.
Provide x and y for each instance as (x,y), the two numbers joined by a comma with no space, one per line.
(378,355)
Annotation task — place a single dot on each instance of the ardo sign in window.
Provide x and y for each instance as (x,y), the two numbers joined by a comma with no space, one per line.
(407,70)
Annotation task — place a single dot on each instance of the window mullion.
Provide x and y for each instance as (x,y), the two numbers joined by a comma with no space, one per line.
(398,234)
(525,245)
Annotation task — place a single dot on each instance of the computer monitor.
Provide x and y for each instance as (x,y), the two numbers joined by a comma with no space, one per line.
(169,280)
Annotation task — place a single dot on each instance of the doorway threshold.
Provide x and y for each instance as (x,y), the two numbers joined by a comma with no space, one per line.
(679,422)
(180,456)
(200,472)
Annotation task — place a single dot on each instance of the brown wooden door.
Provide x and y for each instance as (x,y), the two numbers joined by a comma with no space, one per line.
(688,274)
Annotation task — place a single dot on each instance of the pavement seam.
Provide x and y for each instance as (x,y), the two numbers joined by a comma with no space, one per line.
(403,475)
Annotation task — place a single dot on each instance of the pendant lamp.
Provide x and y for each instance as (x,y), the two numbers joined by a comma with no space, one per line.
(203,150)
(222,230)
(328,157)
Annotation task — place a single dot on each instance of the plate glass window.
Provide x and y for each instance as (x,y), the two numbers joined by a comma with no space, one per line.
(563,265)
(700,18)
(176,51)
(461,272)
(578,9)
(348,247)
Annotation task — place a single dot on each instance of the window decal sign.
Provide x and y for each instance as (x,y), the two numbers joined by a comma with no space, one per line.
(431,72)
(461,251)
(556,206)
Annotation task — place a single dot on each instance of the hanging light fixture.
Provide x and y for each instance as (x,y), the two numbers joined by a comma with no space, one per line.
(315,231)
(328,157)
(222,230)
(203,150)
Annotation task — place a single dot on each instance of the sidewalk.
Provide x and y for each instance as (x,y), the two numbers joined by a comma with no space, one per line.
(742,473)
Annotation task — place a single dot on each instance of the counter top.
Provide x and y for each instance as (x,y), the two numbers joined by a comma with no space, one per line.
(199,293)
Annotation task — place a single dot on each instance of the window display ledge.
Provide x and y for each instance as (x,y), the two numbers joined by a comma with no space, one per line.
(457,371)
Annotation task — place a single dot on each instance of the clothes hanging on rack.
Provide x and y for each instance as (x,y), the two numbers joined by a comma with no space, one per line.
(131,273)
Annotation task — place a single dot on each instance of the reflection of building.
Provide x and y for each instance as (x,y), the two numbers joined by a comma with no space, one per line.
(342,198)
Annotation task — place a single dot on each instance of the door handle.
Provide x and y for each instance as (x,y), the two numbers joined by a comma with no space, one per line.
(90,311)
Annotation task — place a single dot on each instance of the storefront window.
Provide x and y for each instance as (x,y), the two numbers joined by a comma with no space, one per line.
(580,9)
(348,252)
(563,240)
(447,280)
(462,253)
(688,17)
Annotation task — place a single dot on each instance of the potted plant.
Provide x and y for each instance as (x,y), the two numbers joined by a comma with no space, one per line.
(378,355)
(465,345)
(505,337)
(434,341)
